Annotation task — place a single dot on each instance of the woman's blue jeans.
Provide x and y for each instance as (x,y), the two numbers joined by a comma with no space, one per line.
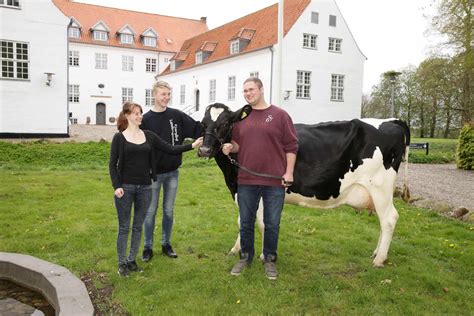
(169,181)
(248,198)
(140,197)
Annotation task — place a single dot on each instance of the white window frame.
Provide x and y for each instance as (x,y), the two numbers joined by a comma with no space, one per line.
(150,64)
(74,58)
(173,65)
(310,41)
(166,60)
(127,63)
(10,3)
(149,99)
(337,87)
(127,95)
(182,94)
(235,47)
(335,45)
(149,41)
(100,61)
(303,84)
(100,35)
(15,61)
(334,18)
(73,93)
(212,90)
(74,32)
(199,57)
(126,39)
(231,88)
(253,74)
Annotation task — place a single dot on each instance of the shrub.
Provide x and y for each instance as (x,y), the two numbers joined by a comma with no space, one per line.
(465,150)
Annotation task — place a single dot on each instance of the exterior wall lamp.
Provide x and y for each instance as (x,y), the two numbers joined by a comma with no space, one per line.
(286,95)
(49,77)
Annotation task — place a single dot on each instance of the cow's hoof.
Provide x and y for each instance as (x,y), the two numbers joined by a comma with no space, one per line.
(262,257)
(232,252)
(378,263)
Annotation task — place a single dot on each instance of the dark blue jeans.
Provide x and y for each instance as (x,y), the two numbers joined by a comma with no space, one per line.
(139,196)
(248,198)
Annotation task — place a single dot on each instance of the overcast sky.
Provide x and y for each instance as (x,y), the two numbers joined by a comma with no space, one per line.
(390,33)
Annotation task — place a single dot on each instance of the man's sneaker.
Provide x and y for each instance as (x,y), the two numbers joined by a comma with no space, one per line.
(270,270)
(168,250)
(123,270)
(147,254)
(133,267)
(240,266)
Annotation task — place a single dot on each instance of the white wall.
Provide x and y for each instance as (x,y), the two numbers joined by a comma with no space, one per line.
(322,64)
(113,78)
(30,106)
(199,76)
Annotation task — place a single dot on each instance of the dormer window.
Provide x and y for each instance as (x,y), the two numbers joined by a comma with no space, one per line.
(199,57)
(74,32)
(234,46)
(126,38)
(100,35)
(173,65)
(149,41)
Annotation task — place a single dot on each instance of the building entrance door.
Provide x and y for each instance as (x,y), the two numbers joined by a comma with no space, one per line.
(100,114)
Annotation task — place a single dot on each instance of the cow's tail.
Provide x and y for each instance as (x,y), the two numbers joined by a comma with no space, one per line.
(406,190)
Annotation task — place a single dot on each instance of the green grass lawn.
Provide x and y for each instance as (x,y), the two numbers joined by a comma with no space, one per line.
(440,151)
(58,205)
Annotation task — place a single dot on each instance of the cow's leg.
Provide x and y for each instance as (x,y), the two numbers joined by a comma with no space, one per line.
(236,248)
(388,217)
(261,225)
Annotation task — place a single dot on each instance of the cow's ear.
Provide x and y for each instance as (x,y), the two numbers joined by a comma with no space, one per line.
(242,113)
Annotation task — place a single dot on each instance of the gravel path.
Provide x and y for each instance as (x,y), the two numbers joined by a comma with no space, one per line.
(441,183)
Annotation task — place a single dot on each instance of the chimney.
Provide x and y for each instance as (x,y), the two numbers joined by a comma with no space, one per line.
(204,19)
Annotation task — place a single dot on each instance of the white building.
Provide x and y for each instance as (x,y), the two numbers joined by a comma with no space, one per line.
(322,64)
(114,56)
(33,38)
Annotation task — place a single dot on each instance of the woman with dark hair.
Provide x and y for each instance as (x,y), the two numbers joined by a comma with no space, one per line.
(132,168)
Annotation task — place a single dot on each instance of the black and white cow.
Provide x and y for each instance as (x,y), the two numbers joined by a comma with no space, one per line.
(345,162)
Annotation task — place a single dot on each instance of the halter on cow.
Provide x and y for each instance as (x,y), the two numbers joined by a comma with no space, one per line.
(346,162)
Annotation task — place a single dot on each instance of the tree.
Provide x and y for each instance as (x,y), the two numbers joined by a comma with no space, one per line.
(454,19)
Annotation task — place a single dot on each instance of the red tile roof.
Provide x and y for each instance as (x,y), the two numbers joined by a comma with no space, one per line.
(263,24)
(177,30)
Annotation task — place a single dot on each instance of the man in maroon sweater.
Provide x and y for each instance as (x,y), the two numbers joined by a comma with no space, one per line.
(266,142)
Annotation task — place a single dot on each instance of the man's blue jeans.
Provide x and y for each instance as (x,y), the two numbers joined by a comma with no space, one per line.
(139,196)
(248,198)
(169,182)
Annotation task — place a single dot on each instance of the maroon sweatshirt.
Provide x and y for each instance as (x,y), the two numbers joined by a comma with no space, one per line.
(264,138)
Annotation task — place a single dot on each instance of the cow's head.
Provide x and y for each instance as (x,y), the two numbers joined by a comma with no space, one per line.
(218,122)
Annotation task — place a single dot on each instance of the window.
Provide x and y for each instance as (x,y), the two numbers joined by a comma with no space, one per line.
(150,65)
(74,58)
(74,32)
(173,65)
(127,94)
(309,41)
(73,120)
(126,38)
(254,74)
(212,90)
(182,94)
(100,61)
(332,20)
(166,59)
(199,57)
(337,87)
(303,84)
(149,41)
(14,58)
(74,93)
(231,88)
(127,63)
(335,44)
(315,17)
(149,99)
(234,47)
(100,35)
(10,3)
